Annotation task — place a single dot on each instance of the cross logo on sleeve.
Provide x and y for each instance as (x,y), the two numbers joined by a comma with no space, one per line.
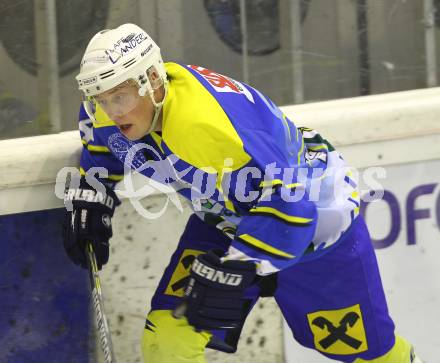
(339,331)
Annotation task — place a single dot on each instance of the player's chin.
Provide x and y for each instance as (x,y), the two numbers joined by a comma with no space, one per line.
(131,132)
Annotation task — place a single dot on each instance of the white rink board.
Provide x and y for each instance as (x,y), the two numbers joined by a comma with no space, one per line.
(410,273)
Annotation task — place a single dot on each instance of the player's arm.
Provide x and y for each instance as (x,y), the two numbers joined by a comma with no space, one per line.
(278,229)
(91,201)
(272,236)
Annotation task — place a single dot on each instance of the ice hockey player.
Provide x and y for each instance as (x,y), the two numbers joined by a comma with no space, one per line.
(276,210)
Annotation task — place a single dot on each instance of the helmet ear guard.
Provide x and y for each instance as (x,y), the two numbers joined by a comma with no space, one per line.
(151,82)
(142,91)
(143,86)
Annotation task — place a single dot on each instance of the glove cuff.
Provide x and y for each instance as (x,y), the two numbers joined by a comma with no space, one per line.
(85,195)
(210,271)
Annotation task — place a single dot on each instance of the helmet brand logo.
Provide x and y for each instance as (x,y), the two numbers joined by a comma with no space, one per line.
(128,43)
(128,38)
(89,81)
(108,52)
(147,50)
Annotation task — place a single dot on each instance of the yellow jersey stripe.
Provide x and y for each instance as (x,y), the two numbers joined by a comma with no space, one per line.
(270,183)
(228,203)
(230,206)
(355,195)
(260,245)
(301,150)
(102,119)
(278,182)
(112,177)
(96,148)
(287,125)
(115,177)
(283,216)
(293,185)
(158,140)
(98,124)
(319,147)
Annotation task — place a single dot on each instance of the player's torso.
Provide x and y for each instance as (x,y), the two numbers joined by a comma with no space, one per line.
(217,136)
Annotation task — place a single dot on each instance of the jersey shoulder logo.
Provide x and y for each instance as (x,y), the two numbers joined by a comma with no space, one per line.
(222,83)
(86,129)
(311,155)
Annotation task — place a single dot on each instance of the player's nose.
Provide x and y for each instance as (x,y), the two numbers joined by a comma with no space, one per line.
(117,117)
(115,112)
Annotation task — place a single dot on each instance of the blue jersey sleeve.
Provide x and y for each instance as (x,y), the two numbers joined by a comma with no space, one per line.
(279,227)
(96,153)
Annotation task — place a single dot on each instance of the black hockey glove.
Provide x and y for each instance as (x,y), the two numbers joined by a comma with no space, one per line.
(214,294)
(89,220)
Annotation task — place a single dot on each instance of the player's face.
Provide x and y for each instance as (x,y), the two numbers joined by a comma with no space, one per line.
(132,113)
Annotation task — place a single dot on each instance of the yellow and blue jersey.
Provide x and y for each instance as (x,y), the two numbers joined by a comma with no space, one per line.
(276,189)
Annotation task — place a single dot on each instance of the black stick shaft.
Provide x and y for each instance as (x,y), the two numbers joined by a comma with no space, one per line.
(98,305)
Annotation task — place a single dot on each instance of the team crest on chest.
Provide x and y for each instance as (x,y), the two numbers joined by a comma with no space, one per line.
(122,147)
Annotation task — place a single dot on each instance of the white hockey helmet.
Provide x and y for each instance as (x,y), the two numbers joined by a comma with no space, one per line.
(114,56)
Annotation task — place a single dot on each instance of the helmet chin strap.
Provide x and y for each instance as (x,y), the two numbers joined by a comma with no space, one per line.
(157,105)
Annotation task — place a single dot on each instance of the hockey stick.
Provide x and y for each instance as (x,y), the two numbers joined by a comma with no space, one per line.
(98,305)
